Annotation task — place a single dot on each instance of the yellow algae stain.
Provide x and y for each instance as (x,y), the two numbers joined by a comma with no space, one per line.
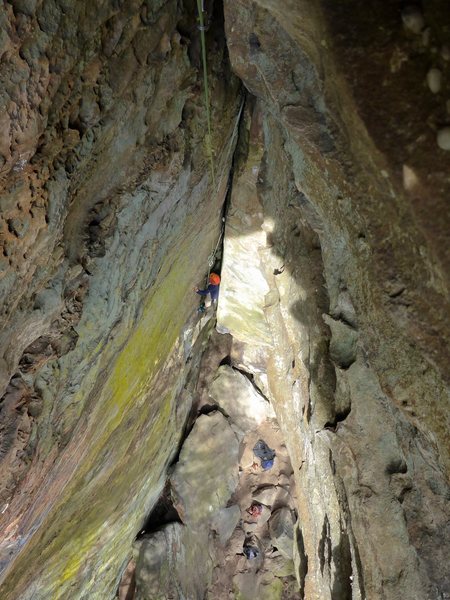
(83,543)
(132,375)
(115,457)
(148,347)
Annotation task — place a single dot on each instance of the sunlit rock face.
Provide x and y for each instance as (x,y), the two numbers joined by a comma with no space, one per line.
(350,290)
(108,217)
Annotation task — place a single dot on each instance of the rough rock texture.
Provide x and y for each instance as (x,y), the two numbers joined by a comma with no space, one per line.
(281,528)
(212,487)
(349,189)
(171,564)
(206,473)
(104,174)
(225,522)
(235,394)
(335,283)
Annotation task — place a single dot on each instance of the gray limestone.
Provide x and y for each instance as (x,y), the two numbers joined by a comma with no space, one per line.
(206,474)
(238,397)
(281,528)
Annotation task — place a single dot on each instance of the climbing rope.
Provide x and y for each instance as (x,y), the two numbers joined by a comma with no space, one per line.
(201,27)
(212,256)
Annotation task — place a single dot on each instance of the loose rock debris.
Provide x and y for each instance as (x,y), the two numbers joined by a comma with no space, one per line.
(237,514)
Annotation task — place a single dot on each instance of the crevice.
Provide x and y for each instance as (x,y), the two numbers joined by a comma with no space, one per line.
(303,562)
(332,462)
(250,376)
(355,568)
(359,569)
(226,361)
(324,549)
(397,293)
(343,572)
(339,316)
(207,409)
(309,406)
(396,466)
(339,417)
(163,512)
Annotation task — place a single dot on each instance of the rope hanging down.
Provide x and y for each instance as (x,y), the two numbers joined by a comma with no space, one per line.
(212,256)
(201,27)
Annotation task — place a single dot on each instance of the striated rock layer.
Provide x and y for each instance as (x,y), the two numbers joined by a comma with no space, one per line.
(336,253)
(108,217)
(334,286)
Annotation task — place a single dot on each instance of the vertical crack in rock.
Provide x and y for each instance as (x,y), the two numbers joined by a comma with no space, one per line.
(331,341)
(302,560)
(103,181)
(324,549)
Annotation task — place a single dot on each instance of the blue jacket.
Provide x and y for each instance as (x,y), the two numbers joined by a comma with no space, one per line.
(211,289)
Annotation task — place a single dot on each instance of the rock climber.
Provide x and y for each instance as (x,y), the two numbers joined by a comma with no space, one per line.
(212,289)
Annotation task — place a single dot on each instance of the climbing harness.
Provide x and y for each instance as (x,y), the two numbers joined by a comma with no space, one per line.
(201,27)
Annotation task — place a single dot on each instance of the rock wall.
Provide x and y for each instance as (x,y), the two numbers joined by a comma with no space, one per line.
(335,287)
(335,279)
(220,501)
(108,217)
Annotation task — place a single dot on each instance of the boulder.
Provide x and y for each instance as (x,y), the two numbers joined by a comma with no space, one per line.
(281,528)
(172,563)
(238,397)
(272,495)
(225,521)
(343,342)
(266,495)
(206,474)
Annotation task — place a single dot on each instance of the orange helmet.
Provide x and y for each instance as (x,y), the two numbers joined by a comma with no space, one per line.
(214,279)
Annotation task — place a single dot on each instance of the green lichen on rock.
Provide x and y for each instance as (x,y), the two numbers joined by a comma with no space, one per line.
(132,428)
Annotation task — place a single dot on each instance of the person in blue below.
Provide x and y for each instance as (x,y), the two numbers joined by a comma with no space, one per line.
(212,289)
